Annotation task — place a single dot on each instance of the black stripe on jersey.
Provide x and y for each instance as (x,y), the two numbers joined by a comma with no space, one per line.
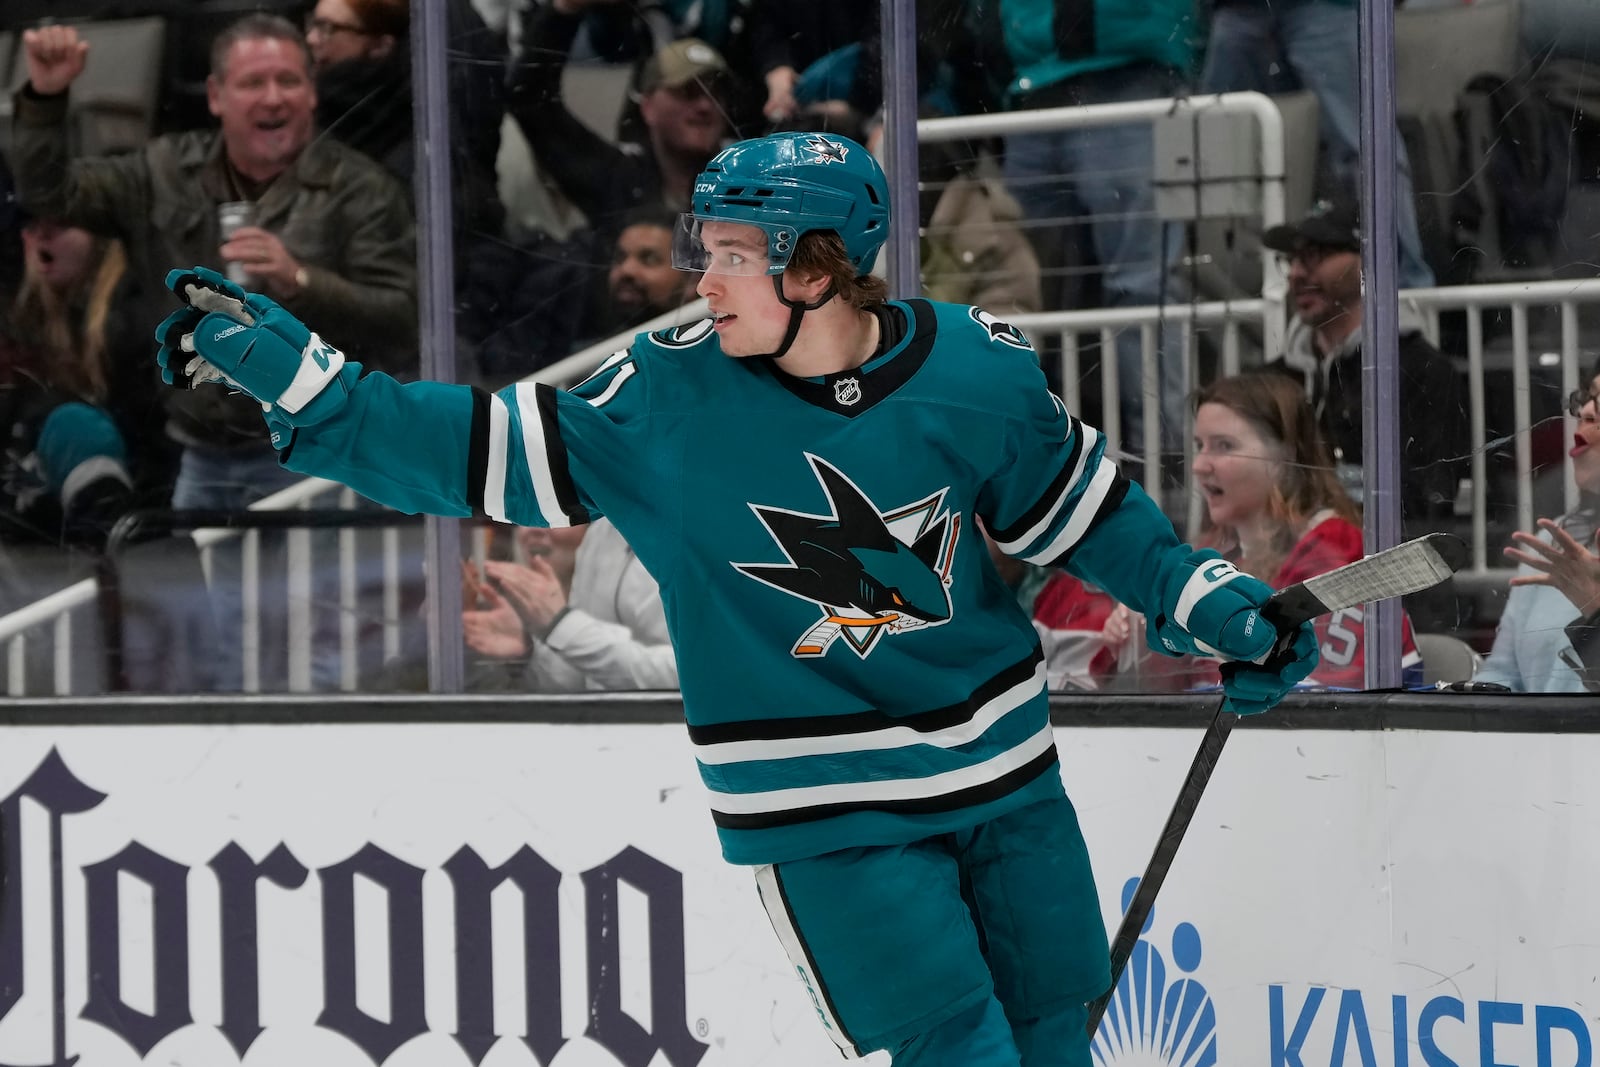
(861,722)
(1058,486)
(1004,785)
(555,452)
(478,450)
(811,959)
(878,384)
(1113,501)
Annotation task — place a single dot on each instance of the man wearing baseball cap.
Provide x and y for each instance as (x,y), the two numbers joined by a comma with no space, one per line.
(682,110)
(1322,349)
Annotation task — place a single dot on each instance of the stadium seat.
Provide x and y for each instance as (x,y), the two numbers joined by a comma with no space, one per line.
(114,101)
(1446,658)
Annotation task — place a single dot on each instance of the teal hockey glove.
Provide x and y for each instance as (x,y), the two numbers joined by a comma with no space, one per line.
(1253,688)
(249,342)
(1210,608)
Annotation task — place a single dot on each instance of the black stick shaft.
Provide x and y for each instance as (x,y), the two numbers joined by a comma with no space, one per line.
(1155,873)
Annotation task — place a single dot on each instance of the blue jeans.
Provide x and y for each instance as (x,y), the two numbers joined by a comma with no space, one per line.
(1104,175)
(228,481)
(1313,45)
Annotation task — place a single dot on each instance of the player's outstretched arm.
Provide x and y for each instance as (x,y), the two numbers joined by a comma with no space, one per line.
(408,446)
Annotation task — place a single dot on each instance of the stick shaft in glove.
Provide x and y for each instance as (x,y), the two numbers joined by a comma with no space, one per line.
(1408,568)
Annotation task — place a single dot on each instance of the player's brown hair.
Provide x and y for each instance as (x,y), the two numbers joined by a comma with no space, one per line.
(821,252)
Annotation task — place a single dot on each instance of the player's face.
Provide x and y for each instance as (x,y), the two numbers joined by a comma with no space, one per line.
(265,102)
(1324,282)
(750,319)
(1235,468)
(1586,442)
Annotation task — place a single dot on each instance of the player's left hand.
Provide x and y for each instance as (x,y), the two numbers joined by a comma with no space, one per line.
(225,334)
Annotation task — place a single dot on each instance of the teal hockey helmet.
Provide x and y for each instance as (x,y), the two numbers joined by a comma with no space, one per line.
(787,185)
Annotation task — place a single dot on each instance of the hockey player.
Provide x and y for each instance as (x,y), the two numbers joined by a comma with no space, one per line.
(801,473)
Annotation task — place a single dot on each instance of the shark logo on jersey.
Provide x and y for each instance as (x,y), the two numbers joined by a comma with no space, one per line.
(1003,332)
(870,572)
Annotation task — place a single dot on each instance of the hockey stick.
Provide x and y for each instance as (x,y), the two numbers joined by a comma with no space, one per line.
(1408,568)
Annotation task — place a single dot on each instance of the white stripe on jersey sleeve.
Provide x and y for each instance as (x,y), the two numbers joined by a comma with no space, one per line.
(494,482)
(1083,513)
(533,443)
(1091,437)
(933,785)
(876,740)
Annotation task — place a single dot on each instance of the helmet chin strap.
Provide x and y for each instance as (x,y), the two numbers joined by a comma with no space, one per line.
(797,311)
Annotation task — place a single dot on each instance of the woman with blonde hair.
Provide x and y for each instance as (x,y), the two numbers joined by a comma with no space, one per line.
(84,418)
(1275,508)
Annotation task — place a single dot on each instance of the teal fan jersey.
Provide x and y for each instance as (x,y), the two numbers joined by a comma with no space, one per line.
(853,669)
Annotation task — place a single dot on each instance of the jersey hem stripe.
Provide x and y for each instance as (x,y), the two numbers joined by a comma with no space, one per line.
(1010,781)
(888,791)
(984,716)
(861,722)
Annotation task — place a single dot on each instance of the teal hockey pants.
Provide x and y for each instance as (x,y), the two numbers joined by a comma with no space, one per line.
(972,949)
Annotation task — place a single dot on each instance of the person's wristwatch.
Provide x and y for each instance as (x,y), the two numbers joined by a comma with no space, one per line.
(302,278)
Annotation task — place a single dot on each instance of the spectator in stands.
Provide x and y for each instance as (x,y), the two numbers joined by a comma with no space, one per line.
(819,54)
(360,50)
(683,116)
(973,248)
(334,236)
(1323,353)
(1113,53)
(1082,631)
(642,282)
(558,306)
(82,414)
(1274,507)
(580,609)
(1274,46)
(1549,635)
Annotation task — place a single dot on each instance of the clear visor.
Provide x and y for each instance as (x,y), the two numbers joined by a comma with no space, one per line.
(718,247)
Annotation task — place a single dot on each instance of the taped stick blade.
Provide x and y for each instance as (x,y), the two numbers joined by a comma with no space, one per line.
(1408,568)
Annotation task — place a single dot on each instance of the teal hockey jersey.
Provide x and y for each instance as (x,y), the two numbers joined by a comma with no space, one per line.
(853,670)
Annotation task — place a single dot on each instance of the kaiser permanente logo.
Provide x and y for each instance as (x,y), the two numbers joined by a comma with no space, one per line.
(1160,1014)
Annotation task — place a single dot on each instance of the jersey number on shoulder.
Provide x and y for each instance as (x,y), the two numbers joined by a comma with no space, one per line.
(618,379)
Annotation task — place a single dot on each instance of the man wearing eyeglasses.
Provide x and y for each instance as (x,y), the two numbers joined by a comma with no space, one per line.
(1323,349)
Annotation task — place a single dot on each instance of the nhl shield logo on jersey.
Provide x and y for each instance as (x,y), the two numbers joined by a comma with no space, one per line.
(1003,332)
(869,572)
(847,391)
